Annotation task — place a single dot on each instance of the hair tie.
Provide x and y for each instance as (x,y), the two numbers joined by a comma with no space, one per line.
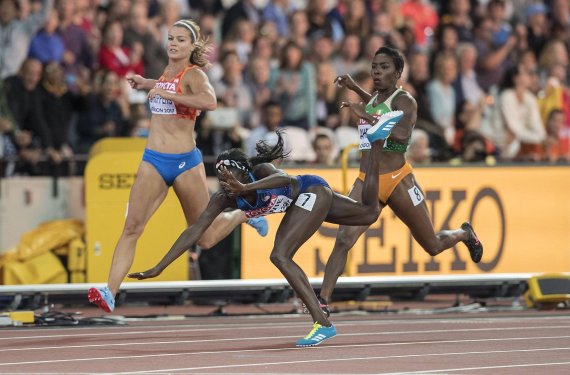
(183,23)
(231,163)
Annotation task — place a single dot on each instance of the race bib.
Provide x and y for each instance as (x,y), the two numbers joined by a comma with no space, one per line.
(275,204)
(161,106)
(306,201)
(416,195)
(363,127)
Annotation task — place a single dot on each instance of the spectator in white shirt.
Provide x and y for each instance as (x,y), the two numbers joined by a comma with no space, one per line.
(523,125)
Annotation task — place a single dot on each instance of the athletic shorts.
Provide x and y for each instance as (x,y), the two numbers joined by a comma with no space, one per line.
(308,180)
(388,182)
(170,166)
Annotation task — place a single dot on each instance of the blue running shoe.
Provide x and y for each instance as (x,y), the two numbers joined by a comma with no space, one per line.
(384,126)
(317,335)
(260,224)
(102,298)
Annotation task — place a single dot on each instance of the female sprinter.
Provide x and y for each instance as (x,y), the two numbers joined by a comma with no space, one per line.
(171,157)
(258,188)
(398,186)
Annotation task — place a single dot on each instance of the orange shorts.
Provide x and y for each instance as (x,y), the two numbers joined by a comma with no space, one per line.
(389,181)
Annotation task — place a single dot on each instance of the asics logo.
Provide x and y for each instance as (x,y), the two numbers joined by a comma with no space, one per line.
(181,165)
(396,175)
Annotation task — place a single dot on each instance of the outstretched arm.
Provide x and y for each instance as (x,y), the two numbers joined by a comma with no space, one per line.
(138,82)
(274,178)
(188,238)
(408,105)
(347,81)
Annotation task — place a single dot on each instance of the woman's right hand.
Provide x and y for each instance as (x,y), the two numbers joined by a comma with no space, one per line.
(136,81)
(148,274)
(345,80)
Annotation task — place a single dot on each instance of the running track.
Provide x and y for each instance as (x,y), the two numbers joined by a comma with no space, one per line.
(524,342)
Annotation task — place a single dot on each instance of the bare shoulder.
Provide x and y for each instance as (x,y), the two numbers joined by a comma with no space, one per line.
(196,81)
(196,74)
(264,169)
(405,102)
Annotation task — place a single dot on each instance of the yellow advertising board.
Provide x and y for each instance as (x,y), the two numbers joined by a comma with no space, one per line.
(521,214)
(109,175)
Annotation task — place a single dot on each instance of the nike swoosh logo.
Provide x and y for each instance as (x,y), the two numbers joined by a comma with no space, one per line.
(396,175)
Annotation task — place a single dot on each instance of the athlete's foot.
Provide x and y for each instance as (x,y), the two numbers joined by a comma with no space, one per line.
(102,298)
(384,126)
(260,224)
(473,244)
(317,335)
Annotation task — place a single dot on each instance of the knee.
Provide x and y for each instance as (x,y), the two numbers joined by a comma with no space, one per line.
(432,249)
(372,216)
(206,242)
(279,260)
(133,228)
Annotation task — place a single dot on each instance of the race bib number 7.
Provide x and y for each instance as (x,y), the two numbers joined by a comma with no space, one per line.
(306,201)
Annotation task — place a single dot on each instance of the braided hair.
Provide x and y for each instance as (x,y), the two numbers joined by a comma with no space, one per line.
(235,158)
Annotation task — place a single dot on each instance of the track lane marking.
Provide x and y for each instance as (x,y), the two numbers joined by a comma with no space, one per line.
(286,349)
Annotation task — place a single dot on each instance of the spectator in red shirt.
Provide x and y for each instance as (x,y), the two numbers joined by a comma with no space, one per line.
(117,58)
(422,18)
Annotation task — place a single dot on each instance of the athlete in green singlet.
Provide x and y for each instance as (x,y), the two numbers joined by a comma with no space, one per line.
(398,187)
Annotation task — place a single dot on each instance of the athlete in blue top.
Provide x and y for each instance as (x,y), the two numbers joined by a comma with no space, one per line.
(258,188)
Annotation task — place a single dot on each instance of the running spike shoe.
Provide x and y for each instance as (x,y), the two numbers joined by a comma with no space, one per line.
(384,126)
(102,298)
(317,335)
(473,244)
(260,224)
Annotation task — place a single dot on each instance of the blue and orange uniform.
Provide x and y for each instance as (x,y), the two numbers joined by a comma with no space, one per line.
(170,166)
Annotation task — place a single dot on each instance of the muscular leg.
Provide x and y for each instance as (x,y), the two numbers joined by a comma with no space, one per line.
(418,220)
(345,239)
(192,191)
(347,211)
(297,226)
(147,193)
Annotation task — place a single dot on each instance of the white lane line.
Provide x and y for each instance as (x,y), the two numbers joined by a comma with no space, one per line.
(284,326)
(470,321)
(446,331)
(329,360)
(478,368)
(287,349)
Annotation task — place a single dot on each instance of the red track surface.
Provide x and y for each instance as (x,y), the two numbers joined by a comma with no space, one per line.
(515,342)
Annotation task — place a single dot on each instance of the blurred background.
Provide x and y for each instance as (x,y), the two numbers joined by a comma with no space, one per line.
(491,143)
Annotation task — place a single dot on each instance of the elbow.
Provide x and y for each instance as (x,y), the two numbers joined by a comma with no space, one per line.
(211,104)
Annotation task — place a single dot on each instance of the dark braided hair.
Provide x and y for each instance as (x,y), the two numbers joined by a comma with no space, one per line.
(237,159)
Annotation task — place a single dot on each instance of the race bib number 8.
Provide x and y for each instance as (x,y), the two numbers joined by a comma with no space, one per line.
(306,201)
(416,195)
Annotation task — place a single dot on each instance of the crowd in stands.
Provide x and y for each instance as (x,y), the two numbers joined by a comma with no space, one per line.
(491,77)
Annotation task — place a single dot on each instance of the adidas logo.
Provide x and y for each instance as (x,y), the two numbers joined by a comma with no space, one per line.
(319,337)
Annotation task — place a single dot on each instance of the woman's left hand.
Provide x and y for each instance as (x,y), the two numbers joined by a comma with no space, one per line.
(357,108)
(158,92)
(229,183)
(148,274)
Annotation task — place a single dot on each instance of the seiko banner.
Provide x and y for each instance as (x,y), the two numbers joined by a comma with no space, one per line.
(521,214)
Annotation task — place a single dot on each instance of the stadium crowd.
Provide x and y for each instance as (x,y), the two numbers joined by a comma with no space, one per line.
(490,77)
